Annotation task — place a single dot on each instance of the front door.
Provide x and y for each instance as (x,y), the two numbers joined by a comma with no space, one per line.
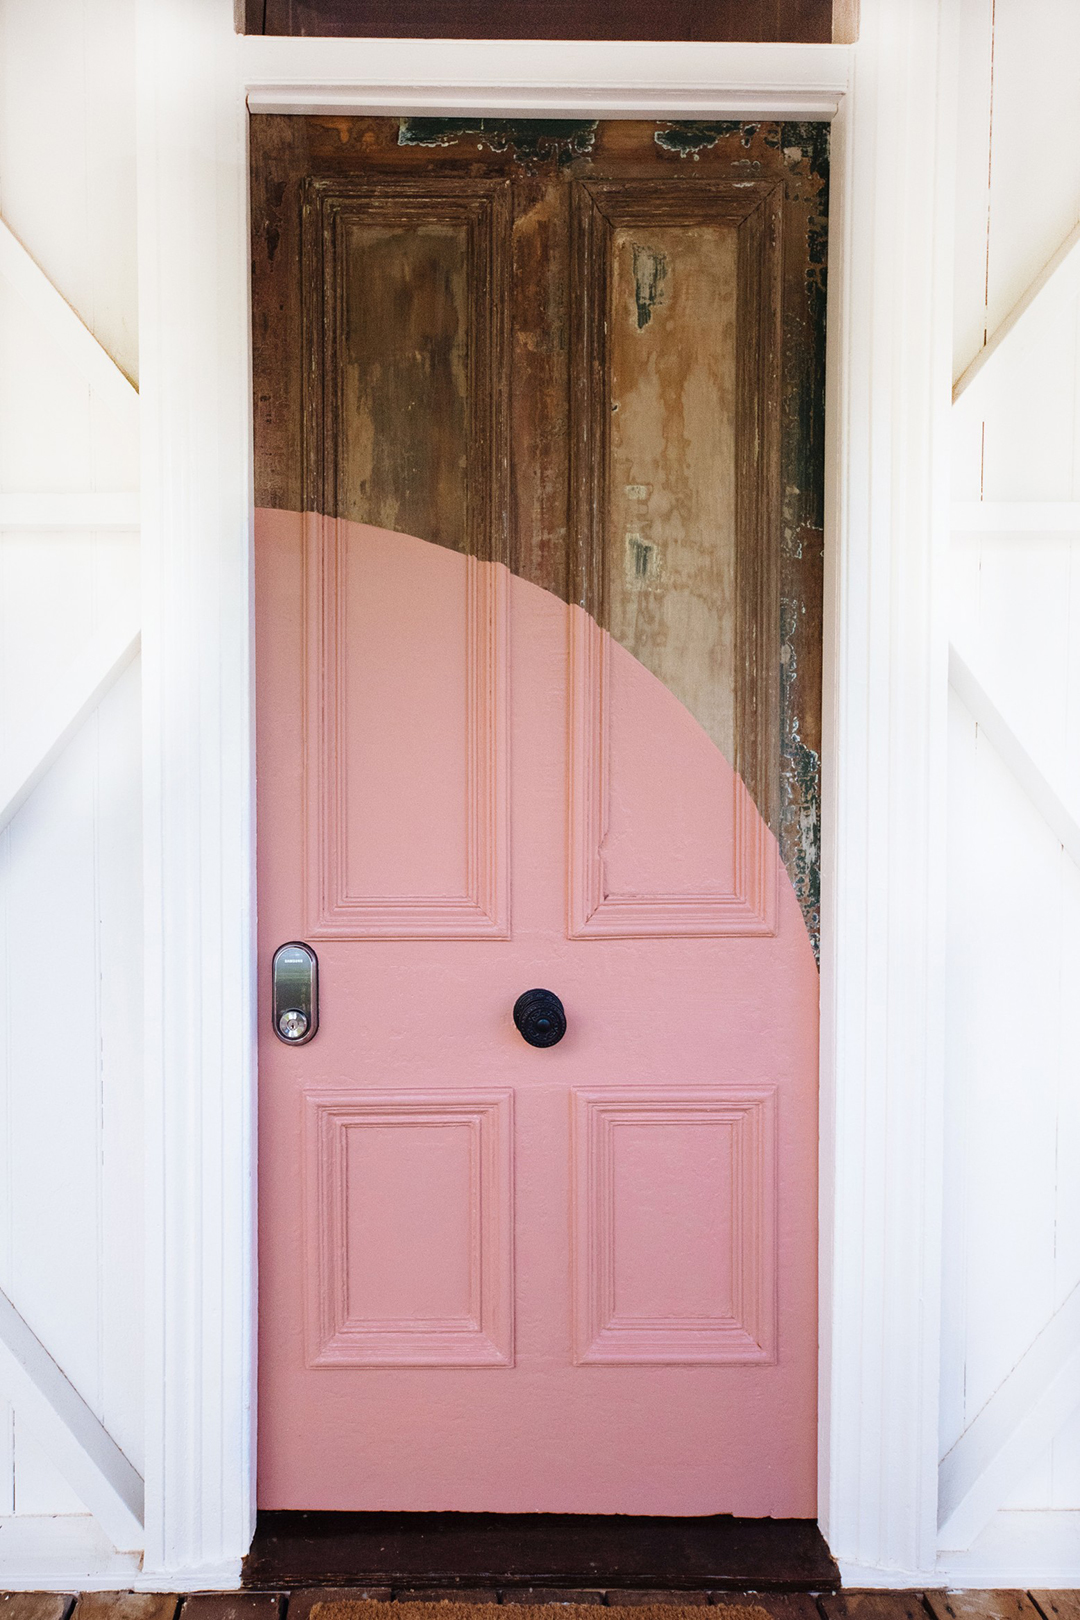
(537,583)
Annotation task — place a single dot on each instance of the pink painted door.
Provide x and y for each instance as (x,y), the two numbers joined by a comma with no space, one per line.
(493,1276)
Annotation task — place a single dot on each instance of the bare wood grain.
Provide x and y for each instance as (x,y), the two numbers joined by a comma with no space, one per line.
(538,271)
(1057,1605)
(404,326)
(744,721)
(880,1605)
(36,1605)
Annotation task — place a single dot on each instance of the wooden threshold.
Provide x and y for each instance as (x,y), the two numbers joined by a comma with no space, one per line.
(497,1550)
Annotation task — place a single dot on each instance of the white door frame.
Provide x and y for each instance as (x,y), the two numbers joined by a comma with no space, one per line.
(891,100)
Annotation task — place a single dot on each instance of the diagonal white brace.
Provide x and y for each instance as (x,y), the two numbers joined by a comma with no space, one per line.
(70,334)
(1030,1406)
(1055,284)
(79,1444)
(88,680)
(990,720)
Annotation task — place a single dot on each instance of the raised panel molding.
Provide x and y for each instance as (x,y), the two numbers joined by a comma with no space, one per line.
(482,911)
(754,209)
(479,208)
(482,1336)
(592,912)
(745,1337)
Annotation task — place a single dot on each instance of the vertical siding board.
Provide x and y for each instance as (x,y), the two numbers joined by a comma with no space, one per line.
(67,179)
(7,1458)
(1035,172)
(972,178)
(120,1016)
(70,897)
(1030,417)
(54,1070)
(1012,1219)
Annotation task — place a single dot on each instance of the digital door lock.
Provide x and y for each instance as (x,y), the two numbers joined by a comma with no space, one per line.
(295,998)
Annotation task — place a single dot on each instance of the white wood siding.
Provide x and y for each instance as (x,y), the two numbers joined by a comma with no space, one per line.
(1010,1414)
(71,1193)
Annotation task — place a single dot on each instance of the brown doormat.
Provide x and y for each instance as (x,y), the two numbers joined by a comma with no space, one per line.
(371,1609)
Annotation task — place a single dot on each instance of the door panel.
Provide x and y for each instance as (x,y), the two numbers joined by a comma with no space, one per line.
(406,757)
(664,837)
(409,1228)
(403,305)
(674,425)
(537,740)
(674,1245)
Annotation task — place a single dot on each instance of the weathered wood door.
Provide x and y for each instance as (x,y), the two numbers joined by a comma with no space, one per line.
(536,564)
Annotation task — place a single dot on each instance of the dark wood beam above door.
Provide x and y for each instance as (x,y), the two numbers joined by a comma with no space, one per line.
(807,22)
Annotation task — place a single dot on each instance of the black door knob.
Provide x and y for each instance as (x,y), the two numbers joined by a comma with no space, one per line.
(540,1018)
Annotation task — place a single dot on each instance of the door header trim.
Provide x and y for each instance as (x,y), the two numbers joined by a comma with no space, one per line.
(591,79)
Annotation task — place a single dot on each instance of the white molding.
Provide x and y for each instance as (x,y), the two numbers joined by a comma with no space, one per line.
(1001,736)
(198,792)
(1052,288)
(83,687)
(590,79)
(1016,517)
(75,1438)
(883,925)
(89,509)
(889,384)
(1004,1439)
(67,330)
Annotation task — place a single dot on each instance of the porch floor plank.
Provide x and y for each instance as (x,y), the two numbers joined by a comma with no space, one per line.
(36,1605)
(1058,1605)
(127,1606)
(987,1605)
(876,1605)
(234,1606)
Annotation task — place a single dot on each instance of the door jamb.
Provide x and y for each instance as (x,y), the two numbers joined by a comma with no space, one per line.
(891,101)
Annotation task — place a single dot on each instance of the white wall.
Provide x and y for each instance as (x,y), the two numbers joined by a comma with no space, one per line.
(70,894)
(1012,1218)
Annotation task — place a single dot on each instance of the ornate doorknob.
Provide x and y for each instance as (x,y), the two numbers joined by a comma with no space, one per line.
(539,1017)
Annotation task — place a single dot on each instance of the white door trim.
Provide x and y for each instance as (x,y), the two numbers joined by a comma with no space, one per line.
(889,391)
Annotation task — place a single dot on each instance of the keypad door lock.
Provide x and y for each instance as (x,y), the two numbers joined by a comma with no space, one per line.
(295,1009)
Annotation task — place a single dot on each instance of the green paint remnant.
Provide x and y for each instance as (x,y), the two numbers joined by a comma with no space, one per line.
(531,140)
(650,273)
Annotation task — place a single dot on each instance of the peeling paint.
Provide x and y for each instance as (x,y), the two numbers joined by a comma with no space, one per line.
(688,138)
(800,770)
(643,567)
(650,274)
(530,140)
(804,147)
